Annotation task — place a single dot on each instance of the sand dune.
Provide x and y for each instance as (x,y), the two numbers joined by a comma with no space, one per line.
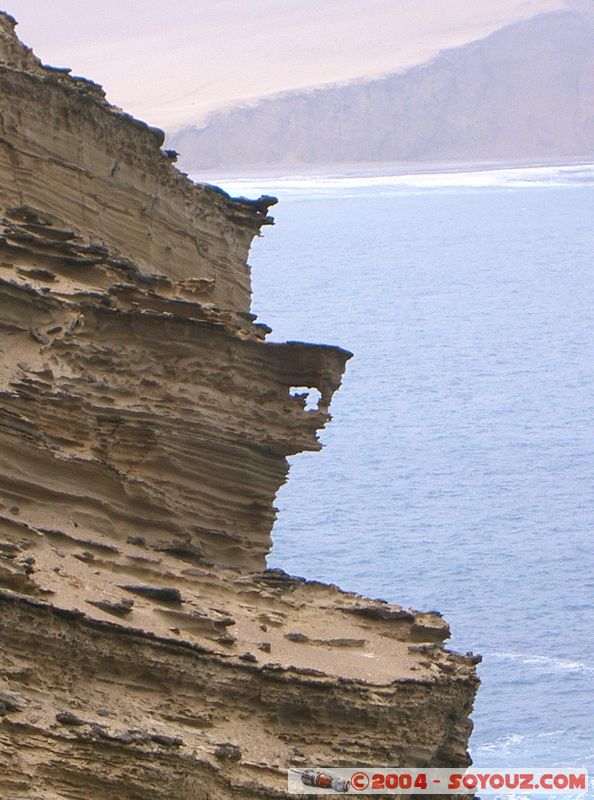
(524,93)
(173,63)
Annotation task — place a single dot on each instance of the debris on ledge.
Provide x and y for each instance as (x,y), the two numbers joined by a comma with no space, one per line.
(145,425)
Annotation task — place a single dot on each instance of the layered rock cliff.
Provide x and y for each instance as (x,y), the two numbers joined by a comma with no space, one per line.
(145,425)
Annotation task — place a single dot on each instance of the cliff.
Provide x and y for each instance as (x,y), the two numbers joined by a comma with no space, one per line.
(145,424)
(523,94)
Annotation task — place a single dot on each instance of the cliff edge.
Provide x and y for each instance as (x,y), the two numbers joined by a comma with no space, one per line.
(145,425)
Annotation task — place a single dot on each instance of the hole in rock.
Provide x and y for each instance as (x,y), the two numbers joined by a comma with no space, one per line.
(310,393)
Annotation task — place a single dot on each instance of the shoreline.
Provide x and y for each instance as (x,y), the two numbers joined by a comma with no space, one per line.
(394,169)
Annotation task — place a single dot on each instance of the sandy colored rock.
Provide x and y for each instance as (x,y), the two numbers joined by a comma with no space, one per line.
(144,428)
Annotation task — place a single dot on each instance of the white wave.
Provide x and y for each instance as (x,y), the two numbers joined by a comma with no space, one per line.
(356,186)
(549,662)
(548,734)
(504,744)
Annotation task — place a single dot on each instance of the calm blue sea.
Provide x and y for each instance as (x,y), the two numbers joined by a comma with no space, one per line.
(458,472)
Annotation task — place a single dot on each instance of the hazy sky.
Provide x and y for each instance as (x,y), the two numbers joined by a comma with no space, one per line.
(171,62)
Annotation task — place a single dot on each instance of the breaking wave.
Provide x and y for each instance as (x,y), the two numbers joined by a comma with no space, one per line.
(316,186)
(548,663)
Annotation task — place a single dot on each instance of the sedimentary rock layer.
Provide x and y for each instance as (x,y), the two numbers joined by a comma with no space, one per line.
(152,402)
(145,425)
(213,692)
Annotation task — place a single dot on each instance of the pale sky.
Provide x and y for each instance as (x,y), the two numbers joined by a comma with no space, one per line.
(170,63)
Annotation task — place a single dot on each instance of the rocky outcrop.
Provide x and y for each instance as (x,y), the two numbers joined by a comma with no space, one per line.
(144,429)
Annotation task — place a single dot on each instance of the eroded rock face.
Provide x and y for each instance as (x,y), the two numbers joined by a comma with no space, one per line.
(144,428)
(153,406)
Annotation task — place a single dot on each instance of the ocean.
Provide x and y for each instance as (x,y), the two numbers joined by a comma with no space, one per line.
(458,471)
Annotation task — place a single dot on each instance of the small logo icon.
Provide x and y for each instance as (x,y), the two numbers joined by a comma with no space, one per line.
(360,781)
(322,780)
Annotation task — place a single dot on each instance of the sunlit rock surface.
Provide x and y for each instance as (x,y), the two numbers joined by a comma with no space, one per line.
(145,422)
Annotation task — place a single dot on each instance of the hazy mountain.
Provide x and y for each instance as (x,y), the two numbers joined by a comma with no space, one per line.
(173,63)
(525,92)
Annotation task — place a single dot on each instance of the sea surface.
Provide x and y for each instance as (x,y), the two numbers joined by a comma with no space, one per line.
(458,471)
